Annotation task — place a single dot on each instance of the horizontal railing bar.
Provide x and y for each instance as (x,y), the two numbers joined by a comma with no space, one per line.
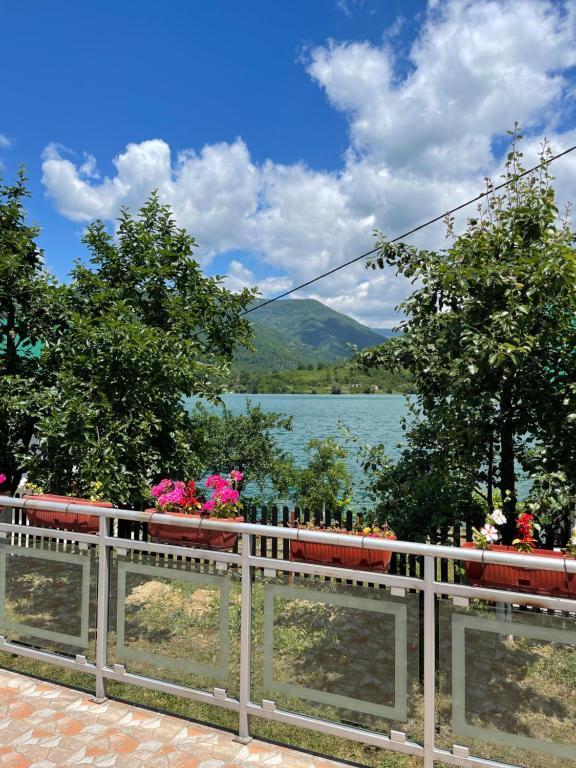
(469,762)
(46,656)
(50,533)
(59,506)
(336,729)
(518,560)
(503,596)
(370,577)
(181,550)
(162,686)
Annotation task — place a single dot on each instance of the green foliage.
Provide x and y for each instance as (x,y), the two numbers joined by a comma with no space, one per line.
(552,498)
(345,376)
(246,441)
(325,483)
(32,310)
(146,328)
(422,494)
(491,334)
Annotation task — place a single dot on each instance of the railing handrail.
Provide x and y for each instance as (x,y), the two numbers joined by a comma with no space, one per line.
(564,564)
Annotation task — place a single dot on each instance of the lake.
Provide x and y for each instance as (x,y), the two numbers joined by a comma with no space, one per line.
(374,418)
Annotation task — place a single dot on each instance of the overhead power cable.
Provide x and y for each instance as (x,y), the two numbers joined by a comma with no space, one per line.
(413,230)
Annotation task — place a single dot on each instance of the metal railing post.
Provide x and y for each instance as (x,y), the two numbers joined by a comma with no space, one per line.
(245,639)
(429,661)
(102,612)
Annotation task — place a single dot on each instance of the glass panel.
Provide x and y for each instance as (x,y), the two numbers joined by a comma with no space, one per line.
(508,682)
(48,594)
(342,652)
(176,620)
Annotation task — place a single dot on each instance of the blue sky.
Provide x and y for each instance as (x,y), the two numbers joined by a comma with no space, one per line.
(281,132)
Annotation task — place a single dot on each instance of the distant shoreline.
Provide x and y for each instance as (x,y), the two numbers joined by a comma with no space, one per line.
(332,394)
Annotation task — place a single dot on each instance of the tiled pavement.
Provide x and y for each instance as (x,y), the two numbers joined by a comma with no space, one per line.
(46,726)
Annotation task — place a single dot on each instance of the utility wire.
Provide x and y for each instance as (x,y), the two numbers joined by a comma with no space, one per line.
(412,231)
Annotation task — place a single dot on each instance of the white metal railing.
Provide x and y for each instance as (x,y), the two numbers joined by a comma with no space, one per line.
(247,564)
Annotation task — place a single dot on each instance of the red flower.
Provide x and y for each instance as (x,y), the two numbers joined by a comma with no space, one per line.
(525,523)
(189,498)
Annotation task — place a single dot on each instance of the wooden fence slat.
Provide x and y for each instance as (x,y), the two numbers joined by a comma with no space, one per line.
(264,539)
(274,541)
(285,542)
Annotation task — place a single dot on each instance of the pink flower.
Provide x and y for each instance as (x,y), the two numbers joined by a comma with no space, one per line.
(2,479)
(174,496)
(236,475)
(208,506)
(169,492)
(227,495)
(216,481)
(158,490)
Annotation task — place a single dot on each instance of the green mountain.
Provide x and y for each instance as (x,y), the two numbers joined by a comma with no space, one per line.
(274,350)
(300,332)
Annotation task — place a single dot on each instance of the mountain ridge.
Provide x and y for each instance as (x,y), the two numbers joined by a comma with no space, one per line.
(300,332)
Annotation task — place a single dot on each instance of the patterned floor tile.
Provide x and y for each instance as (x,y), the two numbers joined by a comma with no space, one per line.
(45,726)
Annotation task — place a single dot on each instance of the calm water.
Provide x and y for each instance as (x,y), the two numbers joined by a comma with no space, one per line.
(374,418)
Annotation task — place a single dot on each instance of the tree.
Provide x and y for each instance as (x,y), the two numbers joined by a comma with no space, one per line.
(244,441)
(325,482)
(422,494)
(490,334)
(33,314)
(147,328)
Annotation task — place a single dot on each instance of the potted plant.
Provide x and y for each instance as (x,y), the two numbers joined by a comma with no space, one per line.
(181,499)
(534,580)
(66,521)
(358,558)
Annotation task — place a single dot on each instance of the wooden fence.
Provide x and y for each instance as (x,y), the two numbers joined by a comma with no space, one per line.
(263,546)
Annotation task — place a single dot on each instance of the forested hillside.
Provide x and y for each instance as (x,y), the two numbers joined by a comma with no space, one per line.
(302,332)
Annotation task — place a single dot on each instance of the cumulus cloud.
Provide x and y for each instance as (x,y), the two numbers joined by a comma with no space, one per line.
(476,68)
(4,141)
(239,277)
(421,141)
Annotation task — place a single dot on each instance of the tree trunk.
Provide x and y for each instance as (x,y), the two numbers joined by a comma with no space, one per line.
(490,476)
(507,474)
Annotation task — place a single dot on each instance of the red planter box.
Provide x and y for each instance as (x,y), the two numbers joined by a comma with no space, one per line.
(66,521)
(537,581)
(345,557)
(195,537)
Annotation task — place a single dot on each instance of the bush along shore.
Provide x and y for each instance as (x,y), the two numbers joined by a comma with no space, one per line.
(341,379)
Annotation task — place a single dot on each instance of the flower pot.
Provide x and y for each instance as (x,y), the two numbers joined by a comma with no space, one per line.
(66,521)
(194,537)
(344,557)
(534,580)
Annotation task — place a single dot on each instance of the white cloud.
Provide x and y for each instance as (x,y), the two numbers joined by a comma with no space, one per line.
(239,277)
(419,143)
(4,141)
(88,167)
(477,67)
